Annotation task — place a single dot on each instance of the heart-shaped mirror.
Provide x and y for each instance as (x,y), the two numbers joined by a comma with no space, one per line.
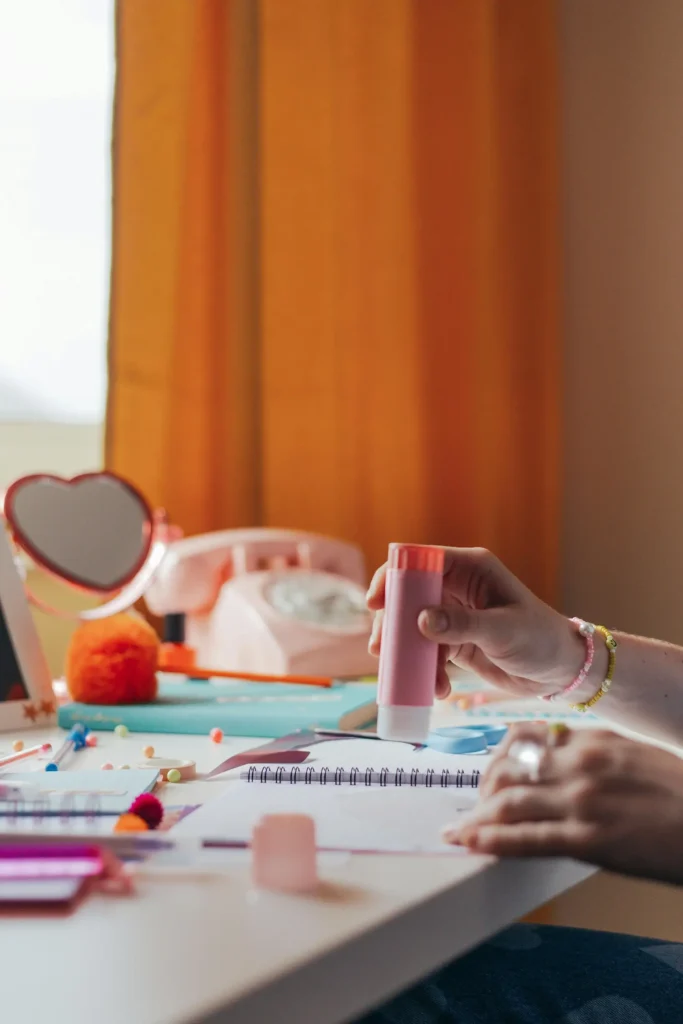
(94,531)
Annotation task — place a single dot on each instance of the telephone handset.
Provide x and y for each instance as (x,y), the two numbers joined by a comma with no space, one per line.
(267,600)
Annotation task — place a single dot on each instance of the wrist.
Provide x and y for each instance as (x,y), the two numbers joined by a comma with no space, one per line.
(573,656)
(583,673)
(574,661)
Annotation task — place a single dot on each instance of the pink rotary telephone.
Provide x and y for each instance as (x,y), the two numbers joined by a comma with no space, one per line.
(263,600)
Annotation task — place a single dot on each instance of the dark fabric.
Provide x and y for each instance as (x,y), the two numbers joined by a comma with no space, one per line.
(533,974)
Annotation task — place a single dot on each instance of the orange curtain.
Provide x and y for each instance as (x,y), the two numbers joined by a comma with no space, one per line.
(183,356)
(335,283)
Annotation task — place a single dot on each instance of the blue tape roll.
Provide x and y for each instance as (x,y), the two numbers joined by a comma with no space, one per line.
(493,733)
(456,740)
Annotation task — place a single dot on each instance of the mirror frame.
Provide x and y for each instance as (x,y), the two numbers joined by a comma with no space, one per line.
(46,564)
(39,709)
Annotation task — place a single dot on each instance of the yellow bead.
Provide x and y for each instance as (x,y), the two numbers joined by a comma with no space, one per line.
(174,775)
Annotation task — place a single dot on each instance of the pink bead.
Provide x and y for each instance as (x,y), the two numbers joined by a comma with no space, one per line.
(283,853)
(590,652)
(216,735)
(107,766)
(91,740)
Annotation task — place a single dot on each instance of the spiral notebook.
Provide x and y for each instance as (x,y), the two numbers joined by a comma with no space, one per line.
(356,806)
(79,802)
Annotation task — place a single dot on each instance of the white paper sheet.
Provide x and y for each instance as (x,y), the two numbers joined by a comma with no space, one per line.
(355,818)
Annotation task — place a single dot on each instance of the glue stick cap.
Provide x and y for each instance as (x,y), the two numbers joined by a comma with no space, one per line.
(421,557)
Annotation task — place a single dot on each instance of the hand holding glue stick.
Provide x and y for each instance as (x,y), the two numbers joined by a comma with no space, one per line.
(487,623)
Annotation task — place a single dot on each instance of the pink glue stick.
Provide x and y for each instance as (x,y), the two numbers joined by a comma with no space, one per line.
(407,662)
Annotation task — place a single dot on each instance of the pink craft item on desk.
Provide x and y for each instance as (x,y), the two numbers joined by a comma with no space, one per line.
(284,854)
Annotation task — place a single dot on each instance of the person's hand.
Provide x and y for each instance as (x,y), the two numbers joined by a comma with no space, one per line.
(490,624)
(600,798)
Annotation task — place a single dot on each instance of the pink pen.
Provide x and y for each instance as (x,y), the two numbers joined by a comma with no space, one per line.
(41,748)
(407,663)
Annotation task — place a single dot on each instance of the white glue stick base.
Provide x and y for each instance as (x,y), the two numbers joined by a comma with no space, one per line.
(403,724)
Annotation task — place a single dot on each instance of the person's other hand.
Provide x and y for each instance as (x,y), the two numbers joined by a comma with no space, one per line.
(600,798)
(490,624)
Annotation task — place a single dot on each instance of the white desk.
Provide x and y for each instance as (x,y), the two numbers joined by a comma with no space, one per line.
(207,951)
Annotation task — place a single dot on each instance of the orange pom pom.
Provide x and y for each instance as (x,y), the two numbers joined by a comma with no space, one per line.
(113,661)
(130,823)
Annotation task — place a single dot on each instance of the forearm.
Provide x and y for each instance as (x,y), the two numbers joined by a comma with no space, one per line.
(647,689)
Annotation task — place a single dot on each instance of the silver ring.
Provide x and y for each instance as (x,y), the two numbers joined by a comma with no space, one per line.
(529,755)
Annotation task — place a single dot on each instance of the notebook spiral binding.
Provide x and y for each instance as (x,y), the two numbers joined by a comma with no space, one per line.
(369,777)
(66,808)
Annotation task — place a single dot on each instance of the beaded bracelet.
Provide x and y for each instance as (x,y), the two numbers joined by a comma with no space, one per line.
(586,629)
(611,645)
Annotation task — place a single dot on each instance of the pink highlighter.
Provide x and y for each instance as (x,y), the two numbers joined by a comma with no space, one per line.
(408,661)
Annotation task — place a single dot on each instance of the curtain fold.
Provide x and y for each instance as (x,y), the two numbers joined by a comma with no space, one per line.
(182,417)
(336,265)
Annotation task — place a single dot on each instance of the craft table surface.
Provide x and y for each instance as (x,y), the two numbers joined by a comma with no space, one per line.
(208,949)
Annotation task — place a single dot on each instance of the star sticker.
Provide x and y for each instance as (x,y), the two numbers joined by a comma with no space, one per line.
(30,712)
(47,707)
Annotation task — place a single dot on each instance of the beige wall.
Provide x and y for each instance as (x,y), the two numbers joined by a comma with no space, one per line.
(63,448)
(623,146)
(623,521)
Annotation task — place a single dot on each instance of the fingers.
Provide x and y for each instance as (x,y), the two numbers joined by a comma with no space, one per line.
(504,771)
(450,624)
(531,839)
(376,634)
(514,805)
(567,812)
(455,625)
(525,821)
(500,767)
(443,682)
(375,595)
(462,566)
(502,775)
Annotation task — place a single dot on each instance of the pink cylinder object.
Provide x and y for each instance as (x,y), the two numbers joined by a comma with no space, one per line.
(283,853)
(408,661)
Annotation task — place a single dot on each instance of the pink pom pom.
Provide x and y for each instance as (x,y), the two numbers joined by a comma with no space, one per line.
(149,808)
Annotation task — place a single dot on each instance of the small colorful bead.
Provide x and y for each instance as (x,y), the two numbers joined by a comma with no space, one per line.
(121,730)
(216,735)
(148,751)
(18,745)
(107,766)
(123,767)
(174,775)
(91,740)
